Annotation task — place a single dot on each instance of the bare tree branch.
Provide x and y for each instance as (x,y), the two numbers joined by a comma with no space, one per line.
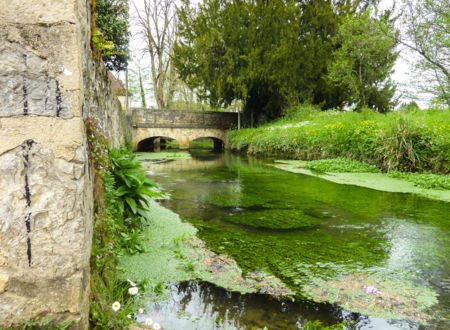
(157,24)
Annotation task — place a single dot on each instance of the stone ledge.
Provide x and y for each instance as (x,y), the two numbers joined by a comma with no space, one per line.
(45,12)
(63,136)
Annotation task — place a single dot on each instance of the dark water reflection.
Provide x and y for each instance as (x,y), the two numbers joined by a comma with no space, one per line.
(302,228)
(204,306)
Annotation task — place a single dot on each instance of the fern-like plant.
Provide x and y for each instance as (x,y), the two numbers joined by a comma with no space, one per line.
(133,188)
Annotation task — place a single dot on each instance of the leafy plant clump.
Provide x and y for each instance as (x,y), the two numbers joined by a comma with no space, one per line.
(407,141)
(424,180)
(120,220)
(341,165)
(132,187)
(111,33)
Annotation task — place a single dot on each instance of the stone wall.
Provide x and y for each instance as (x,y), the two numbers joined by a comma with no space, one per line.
(183,119)
(49,82)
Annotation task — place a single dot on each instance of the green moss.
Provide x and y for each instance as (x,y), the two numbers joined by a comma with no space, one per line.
(163,259)
(378,181)
(274,219)
(280,253)
(173,254)
(389,299)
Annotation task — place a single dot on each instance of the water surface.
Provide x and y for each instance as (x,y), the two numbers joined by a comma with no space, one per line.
(311,232)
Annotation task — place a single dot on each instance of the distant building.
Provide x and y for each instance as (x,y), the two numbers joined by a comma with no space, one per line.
(119,89)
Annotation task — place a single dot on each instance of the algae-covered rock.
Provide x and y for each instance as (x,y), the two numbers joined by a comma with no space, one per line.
(372,295)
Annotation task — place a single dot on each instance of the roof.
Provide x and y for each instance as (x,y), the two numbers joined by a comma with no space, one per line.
(117,85)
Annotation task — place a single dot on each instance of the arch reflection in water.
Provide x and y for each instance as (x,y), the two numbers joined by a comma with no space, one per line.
(157,143)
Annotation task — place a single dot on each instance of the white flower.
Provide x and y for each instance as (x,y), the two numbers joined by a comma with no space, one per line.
(133,290)
(156,326)
(129,316)
(149,321)
(116,306)
(131,282)
(141,310)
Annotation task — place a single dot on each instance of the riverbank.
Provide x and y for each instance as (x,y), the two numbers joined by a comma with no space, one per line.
(417,141)
(373,180)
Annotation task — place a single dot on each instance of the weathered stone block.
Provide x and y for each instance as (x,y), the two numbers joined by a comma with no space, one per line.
(40,12)
(49,81)
(45,234)
(34,71)
(63,136)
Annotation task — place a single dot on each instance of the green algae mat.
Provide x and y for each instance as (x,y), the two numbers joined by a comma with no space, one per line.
(373,180)
(173,254)
(379,253)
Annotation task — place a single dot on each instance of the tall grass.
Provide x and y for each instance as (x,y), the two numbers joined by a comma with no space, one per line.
(409,141)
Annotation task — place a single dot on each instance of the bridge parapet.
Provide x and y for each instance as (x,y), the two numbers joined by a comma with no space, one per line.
(155,118)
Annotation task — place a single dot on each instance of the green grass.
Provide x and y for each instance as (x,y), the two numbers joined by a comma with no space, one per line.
(172,144)
(407,141)
(202,144)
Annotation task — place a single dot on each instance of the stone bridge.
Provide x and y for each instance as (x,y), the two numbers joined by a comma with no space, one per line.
(150,126)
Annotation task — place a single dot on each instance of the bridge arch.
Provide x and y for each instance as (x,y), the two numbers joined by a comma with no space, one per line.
(217,144)
(153,143)
(183,135)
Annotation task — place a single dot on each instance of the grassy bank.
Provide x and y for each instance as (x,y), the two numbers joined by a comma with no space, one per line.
(407,141)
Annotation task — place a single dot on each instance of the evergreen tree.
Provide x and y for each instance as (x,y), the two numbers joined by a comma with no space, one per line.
(363,62)
(269,54)
(111,18)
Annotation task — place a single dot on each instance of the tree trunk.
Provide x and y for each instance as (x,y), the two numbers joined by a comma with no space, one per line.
(141,88)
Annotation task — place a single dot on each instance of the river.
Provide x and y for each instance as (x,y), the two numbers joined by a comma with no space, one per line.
(375,258)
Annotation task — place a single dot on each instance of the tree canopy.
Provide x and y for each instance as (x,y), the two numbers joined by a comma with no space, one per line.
(427,26)
(269,54)
(363,62)
(112,22)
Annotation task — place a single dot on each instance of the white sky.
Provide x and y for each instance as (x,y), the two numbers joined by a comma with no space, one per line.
(403,70)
